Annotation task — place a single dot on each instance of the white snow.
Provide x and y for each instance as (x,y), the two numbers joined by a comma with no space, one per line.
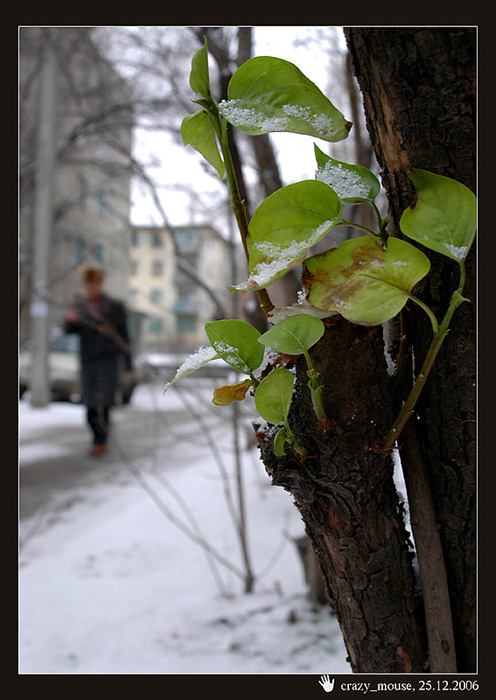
(256,118)
(322,123)
(251,118)
(111,584)
(458,252)
(345,182)
(193,362)
(280,257)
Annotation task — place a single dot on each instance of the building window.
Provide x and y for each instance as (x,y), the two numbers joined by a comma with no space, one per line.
(186,236)
(99,252)
(186,324)
(80,253)
(188,240)
(186,302)
(157,267)
(156,297)
(133,297)
(134,238)
(155,326)
(157,239)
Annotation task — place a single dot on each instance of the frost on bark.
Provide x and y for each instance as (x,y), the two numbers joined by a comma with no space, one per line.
(418,87)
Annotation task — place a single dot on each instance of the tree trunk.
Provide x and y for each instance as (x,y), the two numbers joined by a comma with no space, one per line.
(418,86)
(345,493)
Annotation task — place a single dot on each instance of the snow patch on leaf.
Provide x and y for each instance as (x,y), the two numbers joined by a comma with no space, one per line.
(346,183)
(458,252)
(193,362)
(278,259)
(262,118)
(251,118)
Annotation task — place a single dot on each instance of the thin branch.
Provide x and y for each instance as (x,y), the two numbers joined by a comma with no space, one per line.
(425,529)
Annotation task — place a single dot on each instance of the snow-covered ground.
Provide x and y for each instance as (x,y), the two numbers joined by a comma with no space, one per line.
(114,584)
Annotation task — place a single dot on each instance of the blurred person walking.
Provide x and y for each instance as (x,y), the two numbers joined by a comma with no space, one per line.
(101,322)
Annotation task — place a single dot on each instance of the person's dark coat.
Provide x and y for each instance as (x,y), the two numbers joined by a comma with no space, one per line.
(104,348)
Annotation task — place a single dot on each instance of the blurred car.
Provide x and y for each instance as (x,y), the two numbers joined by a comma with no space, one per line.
(64,371)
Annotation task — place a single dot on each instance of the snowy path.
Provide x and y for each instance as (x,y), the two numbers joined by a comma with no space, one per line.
(109,584)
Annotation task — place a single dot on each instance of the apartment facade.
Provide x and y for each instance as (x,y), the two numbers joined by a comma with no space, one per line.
(91,174)
(170,271)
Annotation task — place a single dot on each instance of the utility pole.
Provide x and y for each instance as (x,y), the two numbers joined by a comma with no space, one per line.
(42,229)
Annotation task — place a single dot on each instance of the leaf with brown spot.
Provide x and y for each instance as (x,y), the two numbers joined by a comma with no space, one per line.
(363,281)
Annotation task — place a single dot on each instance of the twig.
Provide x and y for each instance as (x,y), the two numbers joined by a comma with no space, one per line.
(433,578)
(239,208)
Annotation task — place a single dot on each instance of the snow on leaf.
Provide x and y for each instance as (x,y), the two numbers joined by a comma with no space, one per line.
(236,342)
(352,183)
(284,227)
(194,362)
(270,94)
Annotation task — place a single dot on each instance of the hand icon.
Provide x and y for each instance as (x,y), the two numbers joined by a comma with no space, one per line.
(327,684)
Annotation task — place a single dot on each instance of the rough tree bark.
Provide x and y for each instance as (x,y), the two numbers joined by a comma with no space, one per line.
(418,86)
(345,493)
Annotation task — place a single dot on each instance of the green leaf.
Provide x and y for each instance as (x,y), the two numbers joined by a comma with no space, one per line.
(363,281)
(294,335)
(443,217)
(198,131)
(194,362)
(280,442)
(273,396)
(225,395)
(285,226)
(352,183)
(269,94)
(198,77)
(237,343)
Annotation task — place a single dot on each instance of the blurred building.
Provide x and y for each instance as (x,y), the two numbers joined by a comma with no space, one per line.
(91,174)
(168,267)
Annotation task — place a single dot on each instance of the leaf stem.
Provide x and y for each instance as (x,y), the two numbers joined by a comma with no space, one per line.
(354,224)
(408,406)
(293,442)
(382,222)
(316,392)
(238,205)
(428,311)
(439,335)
